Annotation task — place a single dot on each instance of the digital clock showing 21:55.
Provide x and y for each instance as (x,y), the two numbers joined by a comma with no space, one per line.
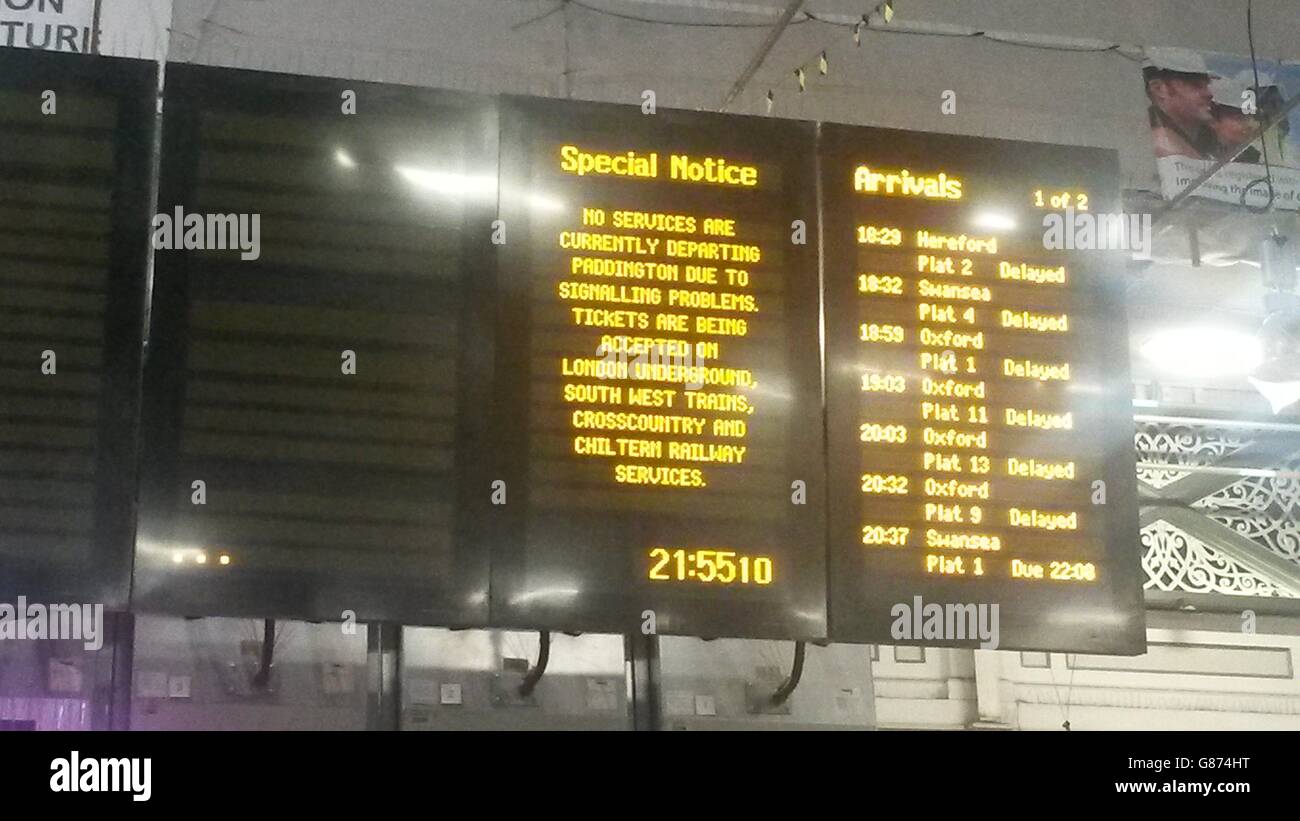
(708,566)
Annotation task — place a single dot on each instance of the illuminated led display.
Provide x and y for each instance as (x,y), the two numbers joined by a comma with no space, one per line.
(659,419)
(980,431)
(589,368)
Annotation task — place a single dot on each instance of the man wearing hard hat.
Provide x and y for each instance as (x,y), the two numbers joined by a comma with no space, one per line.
(1236,123)
(1182,104)
(1233,124)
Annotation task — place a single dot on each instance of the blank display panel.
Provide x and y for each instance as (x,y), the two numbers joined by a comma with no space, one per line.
(74,213)
(315,385)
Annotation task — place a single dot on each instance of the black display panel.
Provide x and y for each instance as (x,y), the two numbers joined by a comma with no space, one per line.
(76,137)
(659,404)
(327,387)
(978,395)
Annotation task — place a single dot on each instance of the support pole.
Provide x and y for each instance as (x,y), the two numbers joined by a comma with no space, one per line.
(642,654)
(383,666)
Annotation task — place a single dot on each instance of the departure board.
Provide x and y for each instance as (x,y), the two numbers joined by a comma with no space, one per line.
(320,351)
(979,417)
(658,407)
(76,136)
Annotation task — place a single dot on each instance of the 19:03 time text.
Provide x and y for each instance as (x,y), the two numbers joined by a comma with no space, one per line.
(709,566)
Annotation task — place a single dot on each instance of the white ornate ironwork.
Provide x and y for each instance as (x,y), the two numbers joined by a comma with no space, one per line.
(1175,561)
(1181,444)
(1265,510)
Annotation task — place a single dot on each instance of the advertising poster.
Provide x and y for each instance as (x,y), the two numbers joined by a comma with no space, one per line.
(1203,107)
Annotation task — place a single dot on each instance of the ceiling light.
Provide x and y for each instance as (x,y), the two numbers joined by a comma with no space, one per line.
(995,221)
(442,182)
(542,202)
(1204,352)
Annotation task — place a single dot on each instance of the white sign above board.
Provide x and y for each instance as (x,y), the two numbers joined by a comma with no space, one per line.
(50,25)
(120,28)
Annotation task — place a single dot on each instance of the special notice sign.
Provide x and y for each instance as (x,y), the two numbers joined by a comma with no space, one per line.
(659,357)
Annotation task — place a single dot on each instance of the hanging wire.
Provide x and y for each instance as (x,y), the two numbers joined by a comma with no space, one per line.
(975,33)
(1063,704)
(1268,169)
(865,23)
(636,18)
(822,58)
(857,26)
(539,18)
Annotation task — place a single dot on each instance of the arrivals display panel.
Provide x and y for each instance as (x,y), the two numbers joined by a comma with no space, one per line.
(980,429)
